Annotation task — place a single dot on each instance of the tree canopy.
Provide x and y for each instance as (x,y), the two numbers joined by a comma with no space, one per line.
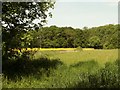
(59,37)
(18,18)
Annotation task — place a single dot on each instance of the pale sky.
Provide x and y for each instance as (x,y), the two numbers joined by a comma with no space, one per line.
(79,13)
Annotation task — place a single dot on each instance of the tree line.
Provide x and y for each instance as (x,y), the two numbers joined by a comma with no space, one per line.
(102,37)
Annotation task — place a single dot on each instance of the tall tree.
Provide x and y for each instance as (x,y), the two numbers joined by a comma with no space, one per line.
(18,18)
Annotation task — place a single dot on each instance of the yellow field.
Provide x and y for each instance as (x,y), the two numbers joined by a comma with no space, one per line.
(50,49)
(44,49)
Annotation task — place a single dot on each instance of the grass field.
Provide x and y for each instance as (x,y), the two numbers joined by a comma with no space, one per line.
(64,68)
(69,56)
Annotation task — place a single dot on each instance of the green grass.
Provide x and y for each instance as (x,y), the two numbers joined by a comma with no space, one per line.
(101,56)
(56,69)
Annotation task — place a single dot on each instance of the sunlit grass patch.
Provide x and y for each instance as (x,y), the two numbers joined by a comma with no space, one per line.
(88,49)
(99,55)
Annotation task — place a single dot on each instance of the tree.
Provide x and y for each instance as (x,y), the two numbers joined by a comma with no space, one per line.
(18,18)
(94,42)
(85,28)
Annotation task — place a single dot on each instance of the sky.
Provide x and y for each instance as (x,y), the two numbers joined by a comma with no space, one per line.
(78,14)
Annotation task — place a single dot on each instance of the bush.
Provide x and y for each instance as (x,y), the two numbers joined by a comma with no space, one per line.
(79,48)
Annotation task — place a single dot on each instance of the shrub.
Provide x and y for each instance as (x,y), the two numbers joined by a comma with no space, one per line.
(79,48)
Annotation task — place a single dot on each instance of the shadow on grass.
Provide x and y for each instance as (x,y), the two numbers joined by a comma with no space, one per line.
(17,69)
(89,65)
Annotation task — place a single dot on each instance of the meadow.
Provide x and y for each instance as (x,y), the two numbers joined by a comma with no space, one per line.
(38,55)
(72,55)
(64,68)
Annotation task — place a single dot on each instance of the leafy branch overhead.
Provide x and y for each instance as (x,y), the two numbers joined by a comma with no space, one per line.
(19,18)
(21,14)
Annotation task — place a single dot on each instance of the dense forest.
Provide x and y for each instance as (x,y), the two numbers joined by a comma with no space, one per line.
(102,37)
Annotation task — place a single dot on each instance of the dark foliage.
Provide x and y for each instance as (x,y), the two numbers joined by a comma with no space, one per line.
(16,69)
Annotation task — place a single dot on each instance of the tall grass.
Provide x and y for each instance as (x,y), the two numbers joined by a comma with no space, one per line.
(47,72)
(81,75)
